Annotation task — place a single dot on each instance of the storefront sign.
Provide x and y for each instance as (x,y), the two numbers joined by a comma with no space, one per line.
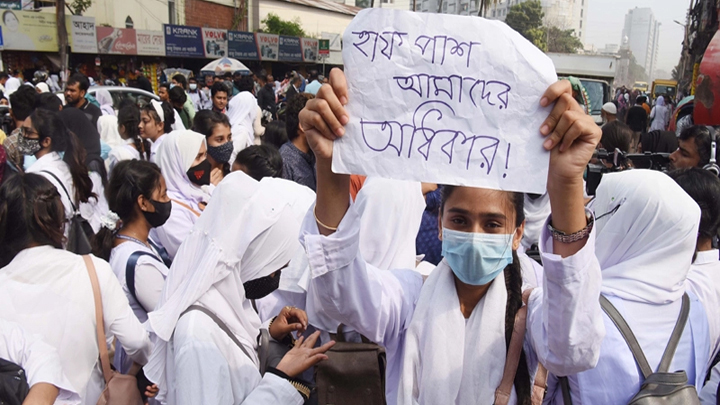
(29,31)
(241,45)
(309,49)
(118,41)
(324,47)
(185,42)
(267,45)
(150,43)
(290,49)
(84,35)
(216,43)
(11,5)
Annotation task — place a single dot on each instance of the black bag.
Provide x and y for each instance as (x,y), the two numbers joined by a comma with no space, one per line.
(660,387)
(80,231)
(353,374)
(13,383)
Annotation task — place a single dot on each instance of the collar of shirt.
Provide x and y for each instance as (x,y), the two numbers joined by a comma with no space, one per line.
(707,256)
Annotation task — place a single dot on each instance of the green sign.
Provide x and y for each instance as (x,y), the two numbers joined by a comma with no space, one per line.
(324,47)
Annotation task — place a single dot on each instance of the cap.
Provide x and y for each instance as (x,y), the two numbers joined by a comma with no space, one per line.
(609,108)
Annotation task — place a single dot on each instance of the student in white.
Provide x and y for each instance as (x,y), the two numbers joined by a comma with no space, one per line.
(446,340)
(44,135)
(47,290)
(131,145)
(138,202)
(156,120)
(183,154)
(243,112)
(41,363)
(247,234)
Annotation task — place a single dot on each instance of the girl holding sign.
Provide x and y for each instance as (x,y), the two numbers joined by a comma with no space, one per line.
(447,337)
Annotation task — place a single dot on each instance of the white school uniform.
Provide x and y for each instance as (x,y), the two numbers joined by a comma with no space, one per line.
(704,277)
(117,154)
(428,361)
(645,249)
(39,360)
(48,292)
(249,231)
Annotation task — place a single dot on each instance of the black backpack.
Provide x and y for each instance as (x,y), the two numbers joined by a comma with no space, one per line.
(13,383)
(80,231)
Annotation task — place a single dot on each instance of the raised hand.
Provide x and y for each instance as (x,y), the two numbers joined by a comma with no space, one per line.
(323,118)
(303,355)
(290,319)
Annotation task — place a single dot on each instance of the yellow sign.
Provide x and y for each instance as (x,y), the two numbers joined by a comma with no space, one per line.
(30,31)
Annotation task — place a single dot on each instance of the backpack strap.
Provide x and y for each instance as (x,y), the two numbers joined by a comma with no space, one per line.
(182,204)
(63,187)
(565,387)
(220,324)
(676,335)
(162,252)
(130,273)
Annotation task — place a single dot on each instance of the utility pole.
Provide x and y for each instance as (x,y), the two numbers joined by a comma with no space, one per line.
(62,38)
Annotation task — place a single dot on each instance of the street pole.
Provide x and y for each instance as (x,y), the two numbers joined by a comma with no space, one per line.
(62,37)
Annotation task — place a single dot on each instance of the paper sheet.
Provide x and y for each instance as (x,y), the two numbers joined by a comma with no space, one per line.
(444,99)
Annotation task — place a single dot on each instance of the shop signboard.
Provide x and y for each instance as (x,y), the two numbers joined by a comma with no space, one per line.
(289,49)
(324,47)
(11,5)
(241,45)
(116,41)
(183,41)
(267,45)
(29,31)
(216,42)
(309,49)
(84,34)
(151,43)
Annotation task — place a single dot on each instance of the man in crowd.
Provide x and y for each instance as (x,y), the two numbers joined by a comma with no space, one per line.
(23,104)
(314,84)
(13,82)
(237,79)
(163,89)
(219,94)
(298,159)
(75,90)
(179,80)
(200,99)
(293,88)
(608,112)
(3,79)
(178,98)
(642,102)
(142,82)
(694,146)
(266,95)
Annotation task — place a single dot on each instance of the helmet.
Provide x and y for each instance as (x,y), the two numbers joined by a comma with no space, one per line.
(40,76)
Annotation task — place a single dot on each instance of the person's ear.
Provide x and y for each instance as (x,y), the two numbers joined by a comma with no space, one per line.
(440,227)
(46,142)
(144,204)
(517,237)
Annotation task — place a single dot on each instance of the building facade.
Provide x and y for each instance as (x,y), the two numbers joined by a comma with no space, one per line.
(564,14)
(642,31)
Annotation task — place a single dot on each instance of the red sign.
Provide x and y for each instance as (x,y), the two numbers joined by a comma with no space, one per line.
(116,41)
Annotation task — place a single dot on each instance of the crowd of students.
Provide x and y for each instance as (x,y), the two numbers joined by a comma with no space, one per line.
(198,243)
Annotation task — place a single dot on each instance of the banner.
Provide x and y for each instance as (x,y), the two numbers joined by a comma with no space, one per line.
(216,43)
(150,42)
(309,49)
(84,35)
(117,41)
(241,45)
(29,31)
(267,45)
(11,4)
(184,42)
(290,49)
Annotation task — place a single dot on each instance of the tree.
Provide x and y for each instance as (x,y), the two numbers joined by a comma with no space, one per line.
(276,25)
(637,72)
(563,41)
(526,18)
(80,6)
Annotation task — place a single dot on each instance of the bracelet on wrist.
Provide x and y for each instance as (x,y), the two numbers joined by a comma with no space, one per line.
(563,237)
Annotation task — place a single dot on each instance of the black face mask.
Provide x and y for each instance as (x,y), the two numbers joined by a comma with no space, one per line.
(160,216)
(262,287)
(200,174)
(221,153)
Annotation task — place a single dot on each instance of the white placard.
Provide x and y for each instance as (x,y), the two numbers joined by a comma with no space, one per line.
(84,36)
(150,42)
(444,99)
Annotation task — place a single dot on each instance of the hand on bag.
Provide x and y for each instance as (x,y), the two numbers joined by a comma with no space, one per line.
(290,319)
(324,117)
(303,356)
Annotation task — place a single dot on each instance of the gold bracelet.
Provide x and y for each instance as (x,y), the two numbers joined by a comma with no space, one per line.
(302,389)
(329,228)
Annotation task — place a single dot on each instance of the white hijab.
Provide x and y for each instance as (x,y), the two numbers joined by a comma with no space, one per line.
(248,231)
(646,247)
(448,359)
(107,127)
(175,156)
(241,112)
(105,100)
(536,213)
(391,214)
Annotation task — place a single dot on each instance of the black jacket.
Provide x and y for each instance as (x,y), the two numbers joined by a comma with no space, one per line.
(266,99)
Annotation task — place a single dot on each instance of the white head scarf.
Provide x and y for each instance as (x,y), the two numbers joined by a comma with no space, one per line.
(107,127)
(646,246)
(391,214)
(661,101)
(536,213)
(241,112)
(43,87)
(105,100)
(175,156)
(248,231)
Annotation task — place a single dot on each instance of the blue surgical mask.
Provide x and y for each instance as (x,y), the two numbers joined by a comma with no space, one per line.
(476,258)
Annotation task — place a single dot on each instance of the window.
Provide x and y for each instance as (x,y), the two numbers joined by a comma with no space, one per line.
(580,23)
(464,7)
(493,13)
(172,17)
(451,9)
(581,12)
(580,34)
